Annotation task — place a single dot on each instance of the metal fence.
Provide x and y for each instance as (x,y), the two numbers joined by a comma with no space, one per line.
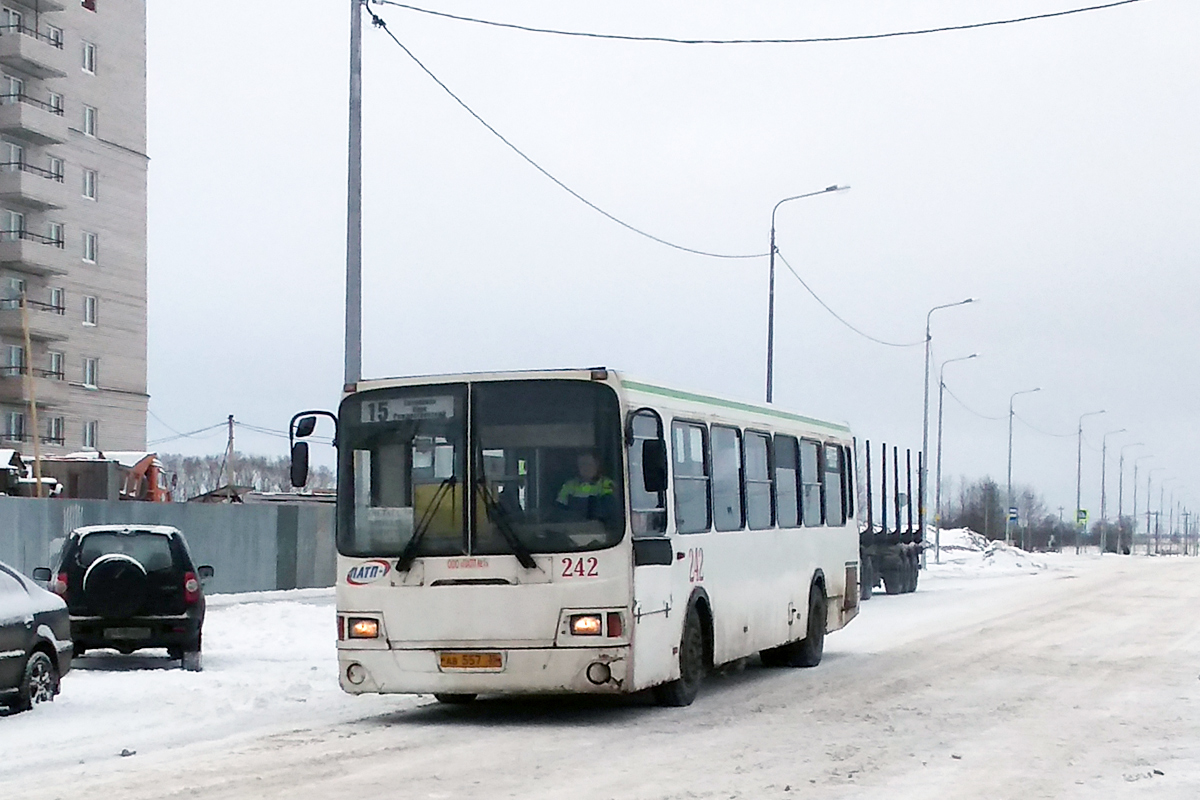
(252,547)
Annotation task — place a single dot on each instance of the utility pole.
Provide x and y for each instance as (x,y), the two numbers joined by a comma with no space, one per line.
(1103,493)
(1079,474)
(353,371)
(1008,508)
(229,460)
(31,393)
(1185,515)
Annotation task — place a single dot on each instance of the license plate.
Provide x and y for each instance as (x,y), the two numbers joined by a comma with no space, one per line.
(126,633)
(490,661)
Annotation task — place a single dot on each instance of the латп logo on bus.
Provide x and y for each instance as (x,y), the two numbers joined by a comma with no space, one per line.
(368,572)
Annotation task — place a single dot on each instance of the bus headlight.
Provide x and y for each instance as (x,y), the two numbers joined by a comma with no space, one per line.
(363,628)
(586,625)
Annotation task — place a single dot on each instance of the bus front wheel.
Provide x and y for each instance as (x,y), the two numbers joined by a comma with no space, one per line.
(682,691)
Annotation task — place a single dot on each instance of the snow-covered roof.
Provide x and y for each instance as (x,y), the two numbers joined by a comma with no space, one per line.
(126,458)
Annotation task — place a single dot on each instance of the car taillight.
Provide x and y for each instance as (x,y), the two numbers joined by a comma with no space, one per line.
(191,588)
(59,585)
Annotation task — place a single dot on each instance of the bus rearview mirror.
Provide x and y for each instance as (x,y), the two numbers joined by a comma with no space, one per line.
(305,427)
(299,463)
(654,465)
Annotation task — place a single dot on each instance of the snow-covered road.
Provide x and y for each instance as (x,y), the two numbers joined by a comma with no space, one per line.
(1001,677)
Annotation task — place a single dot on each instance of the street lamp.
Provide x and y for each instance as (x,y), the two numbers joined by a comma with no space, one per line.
(922,478)
(1149,500)
(1133,527)
(937,515)
(1008,510)
(1103,497)
(1121,494)
(1079,473)
(1162,490)
(771,300)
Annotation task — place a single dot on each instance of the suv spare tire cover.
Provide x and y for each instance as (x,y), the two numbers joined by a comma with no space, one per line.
(115,585)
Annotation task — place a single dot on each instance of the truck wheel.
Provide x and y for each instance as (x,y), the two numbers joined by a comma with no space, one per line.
(866,583)
(892,580)
(916,572)
(683,690)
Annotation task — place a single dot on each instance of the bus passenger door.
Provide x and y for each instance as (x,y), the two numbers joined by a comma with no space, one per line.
(655,612)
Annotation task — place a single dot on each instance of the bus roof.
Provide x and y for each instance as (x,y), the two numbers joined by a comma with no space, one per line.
(610,376)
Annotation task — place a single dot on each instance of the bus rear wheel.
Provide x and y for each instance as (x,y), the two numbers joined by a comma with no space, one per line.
(454,699)
(692,666)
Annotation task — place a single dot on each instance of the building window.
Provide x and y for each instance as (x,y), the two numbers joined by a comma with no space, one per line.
(15,89)
(58,300)
(56,365)
(14,226)
(91,434)
(54,234)
(89,120)
(55,36)
(91,372)
(91,243)
(55,101)
(89,58)
(14,289)
(15,364)
(90,304)
(12,19)
(90,177)
(55,166)
(14,156)
(14,427)
(54,430)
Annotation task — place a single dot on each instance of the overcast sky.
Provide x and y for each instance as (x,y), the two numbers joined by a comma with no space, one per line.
(1050,168)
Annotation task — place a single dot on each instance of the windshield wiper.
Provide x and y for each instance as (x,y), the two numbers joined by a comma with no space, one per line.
(498,514)
(409,554)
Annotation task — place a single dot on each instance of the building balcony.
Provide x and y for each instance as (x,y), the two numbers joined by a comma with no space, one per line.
(40,6)
(32,254)
(47,323)
(26,50)
(34,121)
(32,187)
(49,388)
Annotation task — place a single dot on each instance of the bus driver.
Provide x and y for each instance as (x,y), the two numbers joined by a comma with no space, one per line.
(589,495)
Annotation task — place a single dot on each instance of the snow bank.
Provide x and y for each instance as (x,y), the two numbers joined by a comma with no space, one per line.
(270,664)
(965,552)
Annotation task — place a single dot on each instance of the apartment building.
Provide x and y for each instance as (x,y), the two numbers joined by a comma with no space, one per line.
(73,224)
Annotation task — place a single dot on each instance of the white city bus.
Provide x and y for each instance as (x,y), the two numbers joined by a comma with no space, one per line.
(715,530)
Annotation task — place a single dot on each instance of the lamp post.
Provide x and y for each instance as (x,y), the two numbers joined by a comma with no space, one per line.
(1149,500)
(1162,492)
(1079,473)
(771,291)
(1008,510)
(1121,494)
(1103,496)
(1133,525)
(922,478)
(937,503)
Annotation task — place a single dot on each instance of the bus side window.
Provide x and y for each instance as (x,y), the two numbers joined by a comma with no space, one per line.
(727,478)
(835,509)
(648,509)
(787,477)
(811,501)
(848,472)
(759,508)
(689,444)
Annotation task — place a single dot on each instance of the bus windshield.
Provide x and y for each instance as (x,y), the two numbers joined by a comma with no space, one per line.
(541,474)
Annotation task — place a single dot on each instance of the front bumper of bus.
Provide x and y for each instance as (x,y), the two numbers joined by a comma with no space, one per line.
(599,670)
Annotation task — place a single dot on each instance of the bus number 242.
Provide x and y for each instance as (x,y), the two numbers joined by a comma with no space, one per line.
(696,565)
(580,567)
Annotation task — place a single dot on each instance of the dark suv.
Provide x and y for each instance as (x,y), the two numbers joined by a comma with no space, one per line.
(130,587)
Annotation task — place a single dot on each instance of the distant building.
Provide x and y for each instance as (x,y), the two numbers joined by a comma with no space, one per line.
(73,223)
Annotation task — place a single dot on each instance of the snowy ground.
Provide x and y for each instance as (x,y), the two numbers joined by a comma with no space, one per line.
(1004,675)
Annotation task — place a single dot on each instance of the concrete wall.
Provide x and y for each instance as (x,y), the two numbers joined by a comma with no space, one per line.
(251,547)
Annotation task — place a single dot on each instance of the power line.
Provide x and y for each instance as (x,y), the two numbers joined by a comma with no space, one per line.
(188,435)
(839,317)
(1044,433)
(968,408)
(381,23)
(806,40)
